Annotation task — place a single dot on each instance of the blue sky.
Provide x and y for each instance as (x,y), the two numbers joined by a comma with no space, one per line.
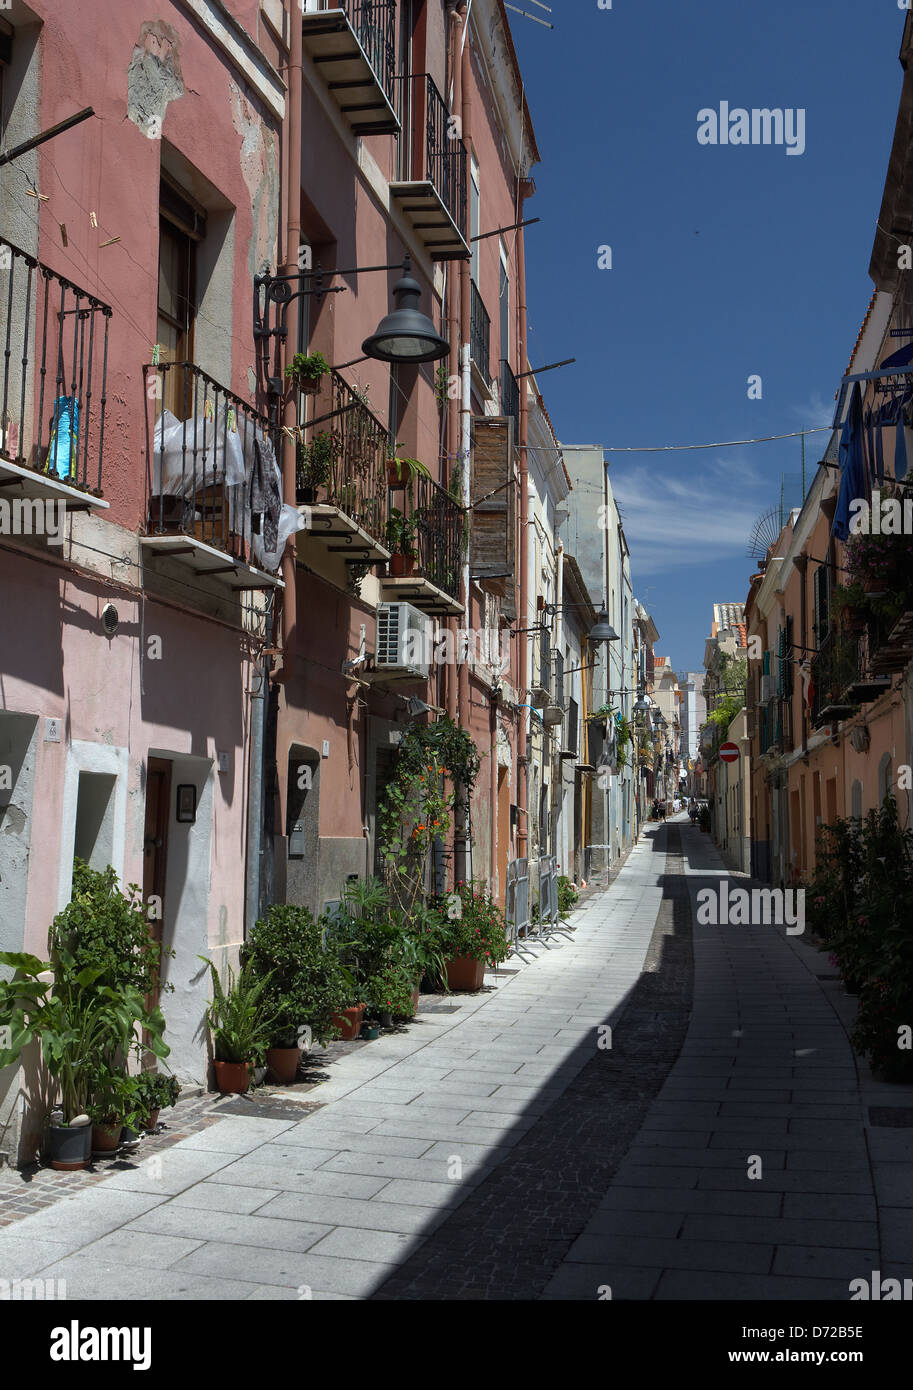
(726,261)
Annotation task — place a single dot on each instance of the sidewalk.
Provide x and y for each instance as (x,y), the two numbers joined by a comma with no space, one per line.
(330,1206)
(766,1071)
(498,1149)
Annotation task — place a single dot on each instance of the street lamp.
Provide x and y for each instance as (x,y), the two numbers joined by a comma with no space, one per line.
(603,631)
(406,334)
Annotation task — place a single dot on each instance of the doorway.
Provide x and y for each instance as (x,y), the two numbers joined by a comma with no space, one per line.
(155,850)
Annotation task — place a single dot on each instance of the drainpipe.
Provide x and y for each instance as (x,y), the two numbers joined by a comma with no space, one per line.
(522,738)
(255,793)
(292,140)
(465,435)
(453,298)
(802,567)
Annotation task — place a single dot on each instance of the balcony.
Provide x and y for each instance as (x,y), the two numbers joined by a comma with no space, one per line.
(895,650)
(510,396)
(835,667)
(479,333)
(213,486)
(541,687)
(436,524)
(340,464)
(432,195)
(52,386)
(353,45)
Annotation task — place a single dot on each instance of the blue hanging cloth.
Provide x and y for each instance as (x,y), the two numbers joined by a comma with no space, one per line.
(852,465)
(62,449)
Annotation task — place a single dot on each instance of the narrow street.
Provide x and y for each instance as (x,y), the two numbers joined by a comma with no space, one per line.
(725,1146)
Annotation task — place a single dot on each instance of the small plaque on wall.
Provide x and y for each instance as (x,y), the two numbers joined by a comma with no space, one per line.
(187,803)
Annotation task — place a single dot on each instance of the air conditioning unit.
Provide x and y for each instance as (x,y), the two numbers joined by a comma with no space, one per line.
(768,689)
(404,640)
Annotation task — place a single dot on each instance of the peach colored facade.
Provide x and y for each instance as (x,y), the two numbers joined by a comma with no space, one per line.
(160,690)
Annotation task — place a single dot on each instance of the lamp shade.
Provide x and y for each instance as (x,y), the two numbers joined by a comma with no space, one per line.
(406,334)
(603,631)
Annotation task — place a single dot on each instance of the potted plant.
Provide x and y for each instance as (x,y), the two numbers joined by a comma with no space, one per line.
(348,1021)
(81,1025)
(156,1091)
(306,983)
(114,1105)
(401,543)
(307,370)
(402,472)
(476,940)
(314,462)
(240,1028)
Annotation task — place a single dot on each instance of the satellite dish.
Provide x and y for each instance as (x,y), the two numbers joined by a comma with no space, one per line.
(764,533)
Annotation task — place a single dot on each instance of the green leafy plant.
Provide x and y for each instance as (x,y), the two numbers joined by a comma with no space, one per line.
(412,468)
(306,983)
(568,895)
(107,929)
(390,991)
(315,460)
(81,1024)
(241,1029)
(311,366)
(400,533)
(157,1091)
(480,932)
(114,1099)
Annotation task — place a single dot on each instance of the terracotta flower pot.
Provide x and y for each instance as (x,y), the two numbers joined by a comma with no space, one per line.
(309,385)
(232,1078)
(152,1120)
(349,1022)
(397,473)
(106,1138)
(283,1064)
(464,972)
(401,565)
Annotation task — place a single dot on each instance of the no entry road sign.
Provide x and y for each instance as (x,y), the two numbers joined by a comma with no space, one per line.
(729,752)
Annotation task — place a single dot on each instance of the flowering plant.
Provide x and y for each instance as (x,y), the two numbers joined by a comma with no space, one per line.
(480,932)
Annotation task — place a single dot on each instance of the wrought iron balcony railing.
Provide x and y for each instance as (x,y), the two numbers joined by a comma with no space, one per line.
(510,395)
(353,44)
(479,330)
(212,472)
(834,668)
(54,372)
(341,454)
(432,153)
(374,22)
(439,534)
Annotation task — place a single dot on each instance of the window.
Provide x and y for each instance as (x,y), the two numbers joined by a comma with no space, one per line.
(822,595)
(504,307)
(182,224)
(474,218)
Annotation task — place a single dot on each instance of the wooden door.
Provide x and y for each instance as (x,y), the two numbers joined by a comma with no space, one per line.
(155,845)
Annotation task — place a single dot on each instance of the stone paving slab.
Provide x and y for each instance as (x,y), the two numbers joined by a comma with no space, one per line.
(559,1196)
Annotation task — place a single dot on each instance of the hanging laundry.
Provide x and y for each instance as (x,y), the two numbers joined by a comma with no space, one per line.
(852,465)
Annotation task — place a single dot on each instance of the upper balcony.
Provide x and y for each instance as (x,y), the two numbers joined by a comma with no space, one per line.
(428,533)
(510,396)
(340,456)
(52,386)
(433,189)
(479,335)
(213,482)
(353,44)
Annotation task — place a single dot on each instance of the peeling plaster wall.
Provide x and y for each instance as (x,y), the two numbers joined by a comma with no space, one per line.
(154,76)
(260,171)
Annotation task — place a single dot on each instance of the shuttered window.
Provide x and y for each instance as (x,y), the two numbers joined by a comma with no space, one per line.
(493,515)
